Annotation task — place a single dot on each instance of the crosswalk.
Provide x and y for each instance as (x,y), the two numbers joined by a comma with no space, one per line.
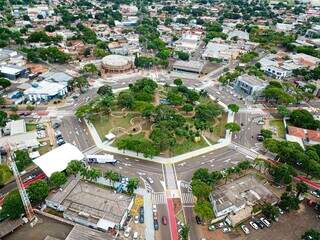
(187,198)
(158,198)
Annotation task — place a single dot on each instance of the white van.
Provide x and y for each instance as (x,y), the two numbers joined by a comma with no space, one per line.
(135,236)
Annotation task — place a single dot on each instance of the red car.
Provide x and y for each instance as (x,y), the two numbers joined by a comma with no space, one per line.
(164,220)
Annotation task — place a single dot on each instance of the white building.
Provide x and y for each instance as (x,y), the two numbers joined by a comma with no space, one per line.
(250,85)
(224,51)
(45,91)
(284,27)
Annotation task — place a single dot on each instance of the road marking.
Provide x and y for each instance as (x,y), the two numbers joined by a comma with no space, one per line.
(158,198)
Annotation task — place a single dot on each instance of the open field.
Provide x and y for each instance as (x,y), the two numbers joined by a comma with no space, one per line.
(279,126)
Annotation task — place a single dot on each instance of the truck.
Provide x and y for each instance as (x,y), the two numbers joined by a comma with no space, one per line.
(106,158)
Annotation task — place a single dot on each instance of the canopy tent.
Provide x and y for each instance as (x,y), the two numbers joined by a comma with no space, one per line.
(57,159)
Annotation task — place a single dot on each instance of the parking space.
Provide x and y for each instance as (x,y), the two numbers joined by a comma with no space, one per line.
(289,227)
(227,95)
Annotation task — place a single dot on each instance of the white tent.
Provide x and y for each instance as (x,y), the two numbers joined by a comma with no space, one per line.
(57,159)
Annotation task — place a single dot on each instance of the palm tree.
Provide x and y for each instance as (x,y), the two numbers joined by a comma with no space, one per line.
(132,185)
(108,175)
(74,167)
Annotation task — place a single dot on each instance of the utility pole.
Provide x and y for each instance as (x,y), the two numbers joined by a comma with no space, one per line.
(23,193)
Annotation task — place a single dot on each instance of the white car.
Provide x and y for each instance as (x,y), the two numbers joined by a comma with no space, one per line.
(315,193)
(265,222)
(136,219)
(127,232)
(221,225)
(253,225)
(150,180)
(226,230)
(245,229)
(154,208)
(280,211)
(135,235)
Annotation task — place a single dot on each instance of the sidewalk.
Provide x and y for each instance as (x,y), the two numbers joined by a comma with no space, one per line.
(148,217)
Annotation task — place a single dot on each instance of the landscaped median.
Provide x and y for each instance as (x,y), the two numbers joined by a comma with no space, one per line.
(153,120)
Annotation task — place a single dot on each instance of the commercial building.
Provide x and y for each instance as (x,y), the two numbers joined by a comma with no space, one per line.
(249,85)
(117,63)
(13,72)
(57,77)
(91,205)
(188,66)
(236,199)
(45,91)
(187,43)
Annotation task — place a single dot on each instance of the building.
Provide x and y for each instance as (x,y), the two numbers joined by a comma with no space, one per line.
(238,35)
(117,63)
(188,66)
(236,199)
(284,27)
(57,77)
(249,85)
(13,72)
(224,51)
(57,159)
(8,56)
(15,127)
(187,43)
(305,60)
(20,141)
(306,136)
(91,205)
(45,91)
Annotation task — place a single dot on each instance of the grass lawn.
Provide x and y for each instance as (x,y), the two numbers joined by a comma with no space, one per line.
(31,127)
(7,174)
(44,149)
(104,124)
(218,129)
(279,126)
(188,146)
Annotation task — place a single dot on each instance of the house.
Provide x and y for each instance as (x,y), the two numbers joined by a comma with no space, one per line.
(307,136)
(238,35)
(45,91)
(13,72)
(8,56)
(284,27)
(249,85)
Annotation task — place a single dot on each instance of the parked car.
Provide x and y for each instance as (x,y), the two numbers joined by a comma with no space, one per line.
(164,220)
(211,227)
(254,225)
(136,219)
(141,215)
(259,223)
(56,125)
(280,211)
(154,208)
(127,232)
(198,220)
(245,229)
(265,222)
(221,225)
(150,180)
(260,137)
(226,230)
(156,224)
(135,236)
(316,193)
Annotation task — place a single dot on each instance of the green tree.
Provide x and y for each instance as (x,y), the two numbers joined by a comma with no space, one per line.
(4,82)
(12,205)
(38,191)
(74,167)
(105,90)
(185,229)
(283,111)
(233,107)
(178,82)
(304,119)
(301,188)
(133,184)
(80,82)
(3,118)
(112,176)
(200,189)
(270,211)
(233,127)
(22,159)
(187,107)
(282,173)
(204,210)
(125,99)
(90,68)
(311,234)
(266,133)
(162,138)
(57,179)
(288,202)
(183,55)
(2,101)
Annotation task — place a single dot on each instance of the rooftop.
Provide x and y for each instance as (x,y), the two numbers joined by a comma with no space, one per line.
(17,127)
(80,232)
(251,80)
(45,87)
(57,159)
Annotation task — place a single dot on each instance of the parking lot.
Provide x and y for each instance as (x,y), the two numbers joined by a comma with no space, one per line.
(290,226)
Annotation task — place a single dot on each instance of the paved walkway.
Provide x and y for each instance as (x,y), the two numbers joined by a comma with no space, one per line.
(148,217)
